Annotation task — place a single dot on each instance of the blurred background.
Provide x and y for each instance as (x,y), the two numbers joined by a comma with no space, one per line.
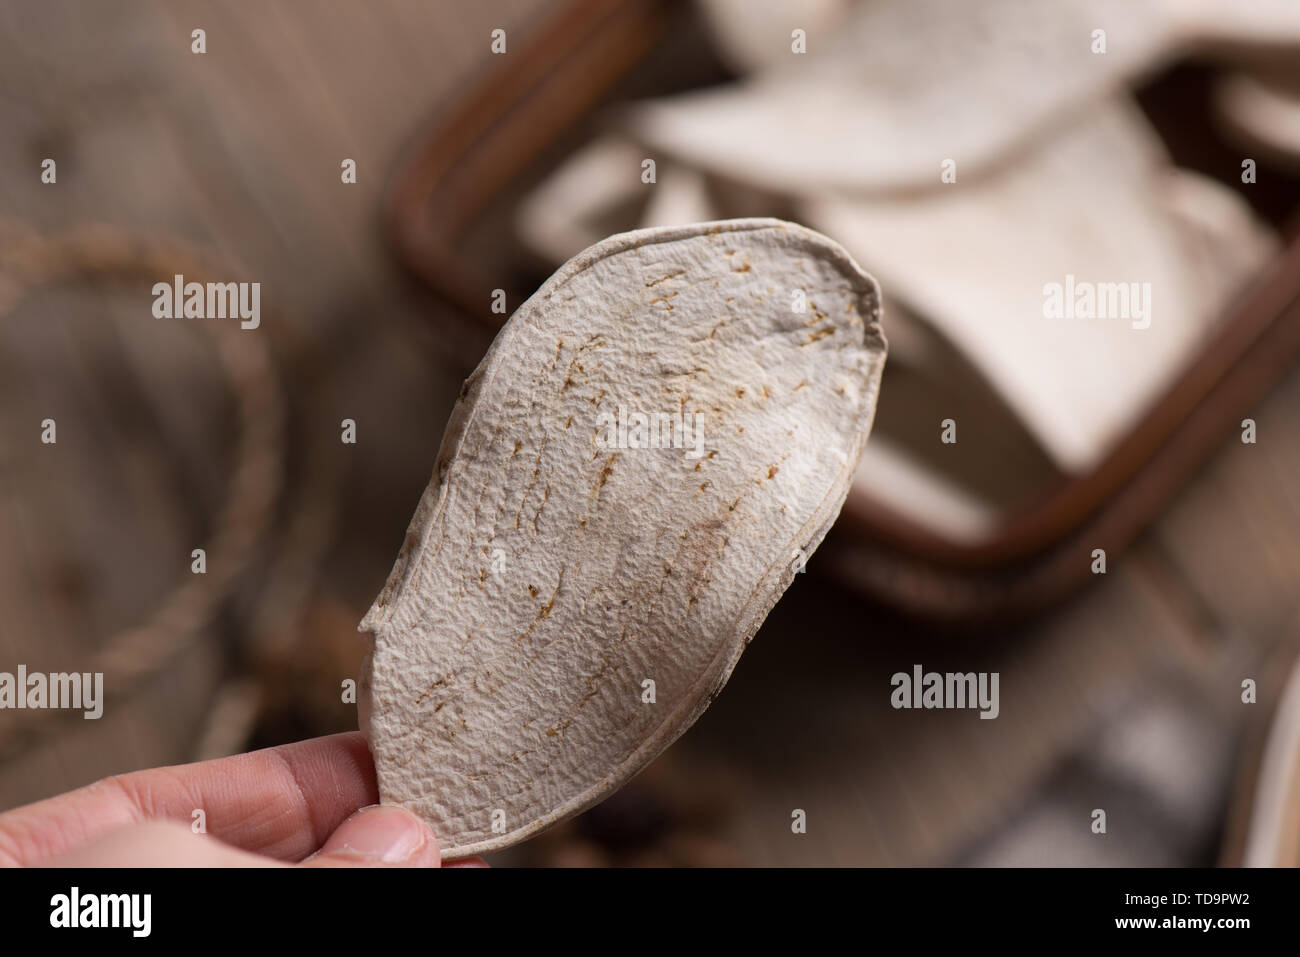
(481,168)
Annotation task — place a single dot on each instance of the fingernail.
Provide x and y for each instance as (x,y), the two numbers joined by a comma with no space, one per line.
(383,834)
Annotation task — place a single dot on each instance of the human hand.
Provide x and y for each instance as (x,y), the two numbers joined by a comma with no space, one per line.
(313,802)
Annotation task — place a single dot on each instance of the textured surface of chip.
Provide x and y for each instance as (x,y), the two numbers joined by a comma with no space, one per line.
(574,588)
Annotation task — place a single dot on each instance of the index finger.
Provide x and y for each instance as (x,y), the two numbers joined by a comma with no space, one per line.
(282,801)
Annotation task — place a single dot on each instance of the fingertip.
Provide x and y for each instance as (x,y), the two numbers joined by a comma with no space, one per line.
(380,835)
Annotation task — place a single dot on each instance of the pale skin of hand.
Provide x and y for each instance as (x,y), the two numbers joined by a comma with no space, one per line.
(312,804)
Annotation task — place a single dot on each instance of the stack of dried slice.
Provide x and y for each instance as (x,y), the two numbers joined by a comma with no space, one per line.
(1048,270)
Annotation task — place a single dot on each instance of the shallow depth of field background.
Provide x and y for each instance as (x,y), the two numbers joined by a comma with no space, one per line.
(1124,697)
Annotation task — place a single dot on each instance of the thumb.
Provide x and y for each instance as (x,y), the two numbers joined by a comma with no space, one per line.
(379,836)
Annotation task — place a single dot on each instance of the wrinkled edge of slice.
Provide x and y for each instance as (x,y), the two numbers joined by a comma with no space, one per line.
(768,589)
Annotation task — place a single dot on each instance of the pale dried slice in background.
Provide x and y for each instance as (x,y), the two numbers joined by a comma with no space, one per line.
(960,492)
(973,260)
(545,578)
(1262,114)
(1272,838)
(575,205)
(680,197)
(905,84)
(755,35)
(897,86)
(1222,240)
(1242,28)
(598,191)
(964,492)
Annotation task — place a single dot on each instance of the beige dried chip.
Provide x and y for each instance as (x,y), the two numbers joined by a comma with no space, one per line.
(1262,113)
(1267,30)
(898,86)
(988,263)
(904,85)
(644,459)
(754,36)
(595,192)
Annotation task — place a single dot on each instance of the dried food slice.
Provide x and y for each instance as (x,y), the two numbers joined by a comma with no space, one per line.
(648,453)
